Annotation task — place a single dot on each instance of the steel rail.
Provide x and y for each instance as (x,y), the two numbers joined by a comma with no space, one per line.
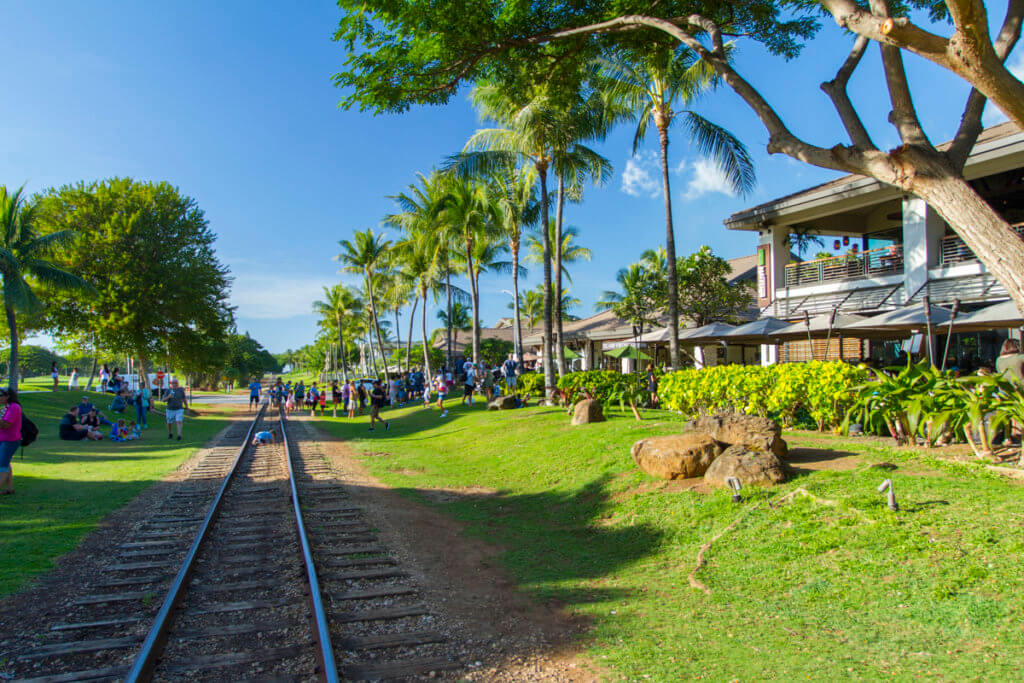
(328,667)
(145,661)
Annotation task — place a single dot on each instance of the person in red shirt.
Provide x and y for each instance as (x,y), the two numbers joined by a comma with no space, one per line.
(10,439)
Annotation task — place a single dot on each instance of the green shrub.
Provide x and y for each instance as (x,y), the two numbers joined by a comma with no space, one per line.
(602,384)
(531,383)
(819,389)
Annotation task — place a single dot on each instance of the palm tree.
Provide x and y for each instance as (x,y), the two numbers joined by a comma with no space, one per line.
(417,255)
(636,301)
(339,304)
(571,251)
(459,318)
(533,131)
(515,196)
(24,264)
(531,303)
(467,218)
(366,254)
(650,85)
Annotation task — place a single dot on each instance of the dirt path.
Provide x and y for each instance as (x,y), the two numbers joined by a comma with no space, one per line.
(512,637)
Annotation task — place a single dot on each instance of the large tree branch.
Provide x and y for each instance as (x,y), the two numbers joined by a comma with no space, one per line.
(970,123)
(899,31)
(836,91)
(903,114)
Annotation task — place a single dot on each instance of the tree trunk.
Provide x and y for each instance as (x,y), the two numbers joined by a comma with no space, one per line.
(426,352)
(376,325)
(983,230)
(399,340)
(408,338)
(557,262)
(549,370)
(341,350)
(448,322)
(475,343)
(670,253)
(12,364)
(92,372)
(514,246)
(373,355)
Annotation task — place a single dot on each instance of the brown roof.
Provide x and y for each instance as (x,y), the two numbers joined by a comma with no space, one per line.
(993,133)
(462,339)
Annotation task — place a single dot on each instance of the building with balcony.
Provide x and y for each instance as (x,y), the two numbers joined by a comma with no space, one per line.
(887,249)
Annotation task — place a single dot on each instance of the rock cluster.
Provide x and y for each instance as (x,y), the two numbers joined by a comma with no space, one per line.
(718,446)
(502,403)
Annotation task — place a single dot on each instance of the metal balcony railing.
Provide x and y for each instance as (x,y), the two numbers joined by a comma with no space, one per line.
(871,263)
(953,250)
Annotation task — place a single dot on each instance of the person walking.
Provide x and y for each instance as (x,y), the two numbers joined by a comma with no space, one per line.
(73,380)
(54,375)
(104,377)
(313,400)
(175,408)
(254,394)
(141,399)
(377,398)
(10,439)
(335,397)
(442,393)
(652,385)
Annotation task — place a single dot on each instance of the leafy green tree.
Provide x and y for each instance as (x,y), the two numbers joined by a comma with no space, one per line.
(705,294)
(406,53)
(366,255)
(650,85)
(25,266)
(459,318)
(495,351)
(147,250)
(33,361)
(247,358)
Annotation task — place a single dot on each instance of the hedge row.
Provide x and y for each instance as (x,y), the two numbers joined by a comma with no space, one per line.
(819,391)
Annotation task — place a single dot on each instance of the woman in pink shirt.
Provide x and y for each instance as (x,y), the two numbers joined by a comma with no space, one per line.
(10,439)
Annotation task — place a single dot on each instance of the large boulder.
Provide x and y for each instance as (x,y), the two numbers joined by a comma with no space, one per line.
(751,467)
(754,433)
(586,411)
(679,456)
(502,403)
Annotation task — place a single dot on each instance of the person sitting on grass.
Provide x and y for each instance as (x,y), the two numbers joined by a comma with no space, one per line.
(90,419)
(377,398)
(120,402)
(70,430)
(86,407)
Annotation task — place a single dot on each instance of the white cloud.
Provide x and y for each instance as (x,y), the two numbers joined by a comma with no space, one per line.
(639,178)
(680,167)
(707,178)
(269,296)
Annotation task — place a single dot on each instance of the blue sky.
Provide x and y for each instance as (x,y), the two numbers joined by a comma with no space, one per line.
(233,103)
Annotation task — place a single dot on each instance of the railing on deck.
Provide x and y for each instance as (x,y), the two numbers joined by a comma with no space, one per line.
(953,250)
(871,263)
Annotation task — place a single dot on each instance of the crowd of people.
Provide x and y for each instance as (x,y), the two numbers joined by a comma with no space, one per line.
(355,397)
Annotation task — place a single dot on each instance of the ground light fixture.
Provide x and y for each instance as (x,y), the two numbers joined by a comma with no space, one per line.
(886,486)
(735,485)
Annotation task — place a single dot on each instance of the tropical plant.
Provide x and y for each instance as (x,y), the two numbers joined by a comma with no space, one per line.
(651,85)
(340,305)
(24,265)
(571,251)
(705,293)
(365,255)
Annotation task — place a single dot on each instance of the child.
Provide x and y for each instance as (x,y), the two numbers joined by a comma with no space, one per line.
(134,431)
(289,403)
(442,392)
(263,437)
(323,403)
(118,431)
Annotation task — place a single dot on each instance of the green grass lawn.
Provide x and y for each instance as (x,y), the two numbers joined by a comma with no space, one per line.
(799,590)
(64,488)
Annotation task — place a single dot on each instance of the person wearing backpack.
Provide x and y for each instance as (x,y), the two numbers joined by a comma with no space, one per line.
(10,439)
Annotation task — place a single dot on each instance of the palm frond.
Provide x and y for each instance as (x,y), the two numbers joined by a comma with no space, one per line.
(725,149)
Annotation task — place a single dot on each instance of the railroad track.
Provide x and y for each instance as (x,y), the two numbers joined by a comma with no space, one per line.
(255,567)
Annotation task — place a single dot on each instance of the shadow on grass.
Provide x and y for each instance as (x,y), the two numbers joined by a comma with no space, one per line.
(551,537)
